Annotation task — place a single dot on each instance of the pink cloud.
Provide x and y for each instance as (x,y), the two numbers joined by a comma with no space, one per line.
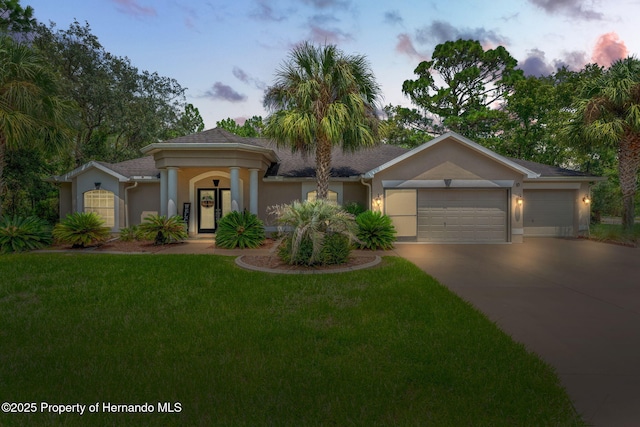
(609,48)
(132,7)
(406,47)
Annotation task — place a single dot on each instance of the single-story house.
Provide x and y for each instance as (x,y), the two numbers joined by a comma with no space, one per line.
(449,189)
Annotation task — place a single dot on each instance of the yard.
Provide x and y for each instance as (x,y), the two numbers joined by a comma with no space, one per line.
(203,342)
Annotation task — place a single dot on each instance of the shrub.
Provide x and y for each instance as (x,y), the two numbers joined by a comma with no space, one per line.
(335,250)
(81,229)
(309,229)
(19,234)
(239,230)
(163,230)
(129,234)
(354,208)
(375,231)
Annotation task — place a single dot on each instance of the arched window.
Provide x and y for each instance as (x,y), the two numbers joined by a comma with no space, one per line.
(332,196)
(102,203)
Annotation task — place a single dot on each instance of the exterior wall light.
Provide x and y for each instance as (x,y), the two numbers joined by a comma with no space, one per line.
(586,200)
(97,185)
(378,201)
(216,182)
(519,201)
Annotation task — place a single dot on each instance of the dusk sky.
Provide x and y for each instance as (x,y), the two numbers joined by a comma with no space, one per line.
(225,53)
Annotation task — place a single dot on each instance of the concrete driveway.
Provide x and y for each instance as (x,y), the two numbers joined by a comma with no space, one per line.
(575,303)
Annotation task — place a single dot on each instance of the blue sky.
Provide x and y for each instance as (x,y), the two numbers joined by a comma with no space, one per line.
(226,52)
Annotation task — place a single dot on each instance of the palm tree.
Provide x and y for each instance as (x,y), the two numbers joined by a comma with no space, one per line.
(31,112)
(608,112)
(322,98)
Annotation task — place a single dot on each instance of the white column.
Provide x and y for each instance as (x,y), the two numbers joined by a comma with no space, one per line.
(235,188)
(172,191)
(253,191)
(163,192)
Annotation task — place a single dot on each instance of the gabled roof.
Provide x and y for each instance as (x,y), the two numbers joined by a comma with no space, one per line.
(92,164)
(462,140)
(285,164)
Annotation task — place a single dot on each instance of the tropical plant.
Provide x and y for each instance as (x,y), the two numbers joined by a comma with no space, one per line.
(322,98)
(23,234)
(608,113)
(129,234)
(163,230)
(81,229)
(308,226)
(239,230)
(375,231)
(32,113)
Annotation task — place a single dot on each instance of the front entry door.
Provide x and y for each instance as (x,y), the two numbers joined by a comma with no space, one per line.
(213,204)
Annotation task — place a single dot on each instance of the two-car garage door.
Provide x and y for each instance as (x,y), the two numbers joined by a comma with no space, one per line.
(452,215)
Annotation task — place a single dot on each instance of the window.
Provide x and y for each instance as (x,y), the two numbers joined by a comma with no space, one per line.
(102,203)
(332,197)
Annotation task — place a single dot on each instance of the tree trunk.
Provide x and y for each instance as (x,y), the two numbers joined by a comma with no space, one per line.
(323,168)
(628,166)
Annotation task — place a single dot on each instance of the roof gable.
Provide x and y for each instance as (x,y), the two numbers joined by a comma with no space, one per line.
(461,140)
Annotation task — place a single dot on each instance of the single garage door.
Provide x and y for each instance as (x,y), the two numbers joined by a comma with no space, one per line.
(549,212)
(465,216)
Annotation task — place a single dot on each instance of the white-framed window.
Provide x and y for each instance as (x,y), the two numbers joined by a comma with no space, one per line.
(332,196)
(102,203)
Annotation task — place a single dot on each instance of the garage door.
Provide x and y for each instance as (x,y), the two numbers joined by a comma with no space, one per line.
(549,212)
(467,216)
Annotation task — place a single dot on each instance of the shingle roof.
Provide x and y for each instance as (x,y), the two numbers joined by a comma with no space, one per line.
(214,136)
(547,171)
(143,166)
(294,165)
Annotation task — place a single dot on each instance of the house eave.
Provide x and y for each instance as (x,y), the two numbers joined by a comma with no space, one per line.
(192,146)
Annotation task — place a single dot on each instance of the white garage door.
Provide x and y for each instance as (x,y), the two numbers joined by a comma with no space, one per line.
(549,212)
(462,215)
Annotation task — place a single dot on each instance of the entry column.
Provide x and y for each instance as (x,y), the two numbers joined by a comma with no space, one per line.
(235,188)
(253,191)
(163,192)
(172,191)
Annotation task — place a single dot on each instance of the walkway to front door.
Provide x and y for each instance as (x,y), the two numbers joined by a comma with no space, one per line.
(213,204)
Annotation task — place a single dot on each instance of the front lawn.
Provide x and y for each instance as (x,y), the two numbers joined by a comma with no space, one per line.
(222,346)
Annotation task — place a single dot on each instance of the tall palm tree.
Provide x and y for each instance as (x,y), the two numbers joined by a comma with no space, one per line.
(32,114)
(322,98)
(608,112)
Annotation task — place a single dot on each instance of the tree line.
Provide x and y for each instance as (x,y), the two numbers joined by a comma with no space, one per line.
(66,100)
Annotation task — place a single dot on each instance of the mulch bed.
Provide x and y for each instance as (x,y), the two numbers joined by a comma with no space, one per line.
(273,262)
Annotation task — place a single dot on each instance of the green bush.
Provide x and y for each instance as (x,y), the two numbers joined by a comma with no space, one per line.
(375,231)
(239,230)
(129,234)
(81,229)
(354,208)
(163,230)
(310,232)
(23,234)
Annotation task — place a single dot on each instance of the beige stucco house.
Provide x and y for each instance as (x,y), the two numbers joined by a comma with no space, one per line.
(449,189)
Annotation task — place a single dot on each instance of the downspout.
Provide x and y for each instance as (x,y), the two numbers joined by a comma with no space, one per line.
(126,203)
(366,184)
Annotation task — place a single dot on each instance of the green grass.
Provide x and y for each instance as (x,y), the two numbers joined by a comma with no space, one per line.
(386,346)
(615,233)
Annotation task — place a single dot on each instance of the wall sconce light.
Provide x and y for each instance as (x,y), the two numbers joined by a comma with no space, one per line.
(97,185)
(586,200)
(216,182)
(519,201)
(377,201)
